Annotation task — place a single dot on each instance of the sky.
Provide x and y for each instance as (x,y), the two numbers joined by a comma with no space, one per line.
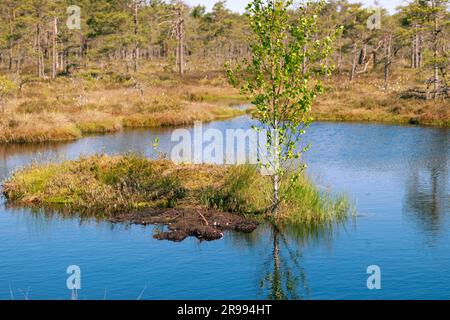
(239,5)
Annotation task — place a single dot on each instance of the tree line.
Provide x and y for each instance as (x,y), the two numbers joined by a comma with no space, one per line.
(36,37)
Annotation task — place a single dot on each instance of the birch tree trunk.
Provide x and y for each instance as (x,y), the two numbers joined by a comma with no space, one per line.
(276,176)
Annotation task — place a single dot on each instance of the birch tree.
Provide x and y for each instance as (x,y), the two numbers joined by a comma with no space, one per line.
(282,89)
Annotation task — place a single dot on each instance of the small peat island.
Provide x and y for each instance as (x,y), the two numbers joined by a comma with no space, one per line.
(201,201)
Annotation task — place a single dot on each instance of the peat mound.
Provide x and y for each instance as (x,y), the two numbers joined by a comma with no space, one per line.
(204,224)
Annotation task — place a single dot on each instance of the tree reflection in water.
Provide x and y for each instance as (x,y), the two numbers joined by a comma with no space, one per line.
(427,195)
(284,277)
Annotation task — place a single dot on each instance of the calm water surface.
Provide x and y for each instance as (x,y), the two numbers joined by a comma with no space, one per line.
(398,177)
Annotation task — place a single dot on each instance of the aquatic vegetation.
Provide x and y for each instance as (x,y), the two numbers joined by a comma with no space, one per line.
(246,191)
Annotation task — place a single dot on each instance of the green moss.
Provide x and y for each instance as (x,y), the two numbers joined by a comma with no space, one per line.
(102,126)
(60,201)
(226,113)
(33,181)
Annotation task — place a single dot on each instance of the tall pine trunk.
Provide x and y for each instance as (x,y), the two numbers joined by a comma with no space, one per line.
(11,43)
(355,61)
(180,43)
(136,43)
(435,49)
(39,60)
(54,49)
(388,48)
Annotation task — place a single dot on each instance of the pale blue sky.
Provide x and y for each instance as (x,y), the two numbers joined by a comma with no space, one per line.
(239,5)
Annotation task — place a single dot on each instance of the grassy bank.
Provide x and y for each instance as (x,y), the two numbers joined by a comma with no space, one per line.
(94,102)
(103,186)
(365,99)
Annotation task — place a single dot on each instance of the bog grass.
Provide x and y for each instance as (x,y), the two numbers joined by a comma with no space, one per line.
(366,100)
(96,102)
(106,186)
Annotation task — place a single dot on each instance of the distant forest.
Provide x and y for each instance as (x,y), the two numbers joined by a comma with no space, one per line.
(48,38)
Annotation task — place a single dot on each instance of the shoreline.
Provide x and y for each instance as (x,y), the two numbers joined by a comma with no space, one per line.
(73,132)
(61,111)
(235,114)
(402,123)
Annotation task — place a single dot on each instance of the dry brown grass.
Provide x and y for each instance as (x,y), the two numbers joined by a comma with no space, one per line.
(67,109)
(94,101)
(366,100)
(19,128)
